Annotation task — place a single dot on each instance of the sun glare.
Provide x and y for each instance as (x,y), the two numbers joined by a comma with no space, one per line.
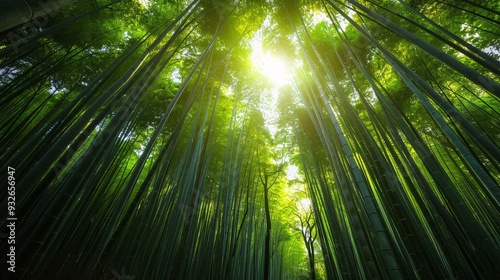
(273,68)
(145,3)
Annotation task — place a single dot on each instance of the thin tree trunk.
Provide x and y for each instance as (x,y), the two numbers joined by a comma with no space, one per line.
(267,248)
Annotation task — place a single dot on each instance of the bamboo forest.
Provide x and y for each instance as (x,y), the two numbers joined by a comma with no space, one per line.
(250,139)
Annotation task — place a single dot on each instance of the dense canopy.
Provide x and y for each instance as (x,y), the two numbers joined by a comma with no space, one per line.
(270,139)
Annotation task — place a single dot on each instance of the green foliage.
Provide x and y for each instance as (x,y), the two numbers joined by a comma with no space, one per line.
(141,141)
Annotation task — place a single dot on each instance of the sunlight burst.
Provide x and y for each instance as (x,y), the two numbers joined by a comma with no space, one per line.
(278,73)
(273,68)
(145,3)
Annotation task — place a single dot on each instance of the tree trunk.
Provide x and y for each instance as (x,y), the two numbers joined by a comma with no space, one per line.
(267,251)
(311,261)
